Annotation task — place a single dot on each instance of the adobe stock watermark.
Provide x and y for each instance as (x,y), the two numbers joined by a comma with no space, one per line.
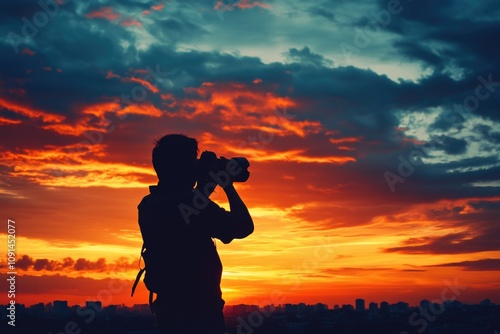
(322,251)
(223,6)
(89,313)
(31,27)
(200,200)
(264,138)
(471,103)
(137,94)
(11,271)
(363,37)
(223,177)
(424,316)
(255,319)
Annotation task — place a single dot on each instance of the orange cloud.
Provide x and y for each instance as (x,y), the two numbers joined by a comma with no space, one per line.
(93,120)
(99,109)
(75,165)
(4,121)
(257,114)
(158,7)
(28,52)
(167,96)
(245,4)
(110,75)
(131,22)
(71,129)
(30,112)
(147,109)
(240,107)
(143,82)
(299,155)
(104,13)
(345,140)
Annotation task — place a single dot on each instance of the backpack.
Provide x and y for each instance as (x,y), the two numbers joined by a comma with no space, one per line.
(152,269)
(152,274)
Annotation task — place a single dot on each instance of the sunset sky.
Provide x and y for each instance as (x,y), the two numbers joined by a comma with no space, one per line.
(372,129)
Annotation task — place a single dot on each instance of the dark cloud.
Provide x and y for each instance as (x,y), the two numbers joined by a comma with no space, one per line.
(307,58)
(450,145)
(463,32)
(26,263)
(448,119)
(448,244)
(476,265)
(489,134)
(176,29)
(474,218)
(44,264)
(352,271)
(414,270)
(322,12)
(454,243)
(473,40)
(414,50)
(427,12)
(14,12)
(84,264)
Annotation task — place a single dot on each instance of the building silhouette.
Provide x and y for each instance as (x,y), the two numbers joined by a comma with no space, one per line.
(384,307)
(96,305)
(360,304)
(60,308)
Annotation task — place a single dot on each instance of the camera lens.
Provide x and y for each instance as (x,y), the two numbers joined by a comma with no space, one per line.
(243,164)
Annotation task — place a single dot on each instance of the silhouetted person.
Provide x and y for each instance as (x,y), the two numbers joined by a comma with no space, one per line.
(178,223)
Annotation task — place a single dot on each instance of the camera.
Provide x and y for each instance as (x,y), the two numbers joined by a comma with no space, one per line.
(209,163)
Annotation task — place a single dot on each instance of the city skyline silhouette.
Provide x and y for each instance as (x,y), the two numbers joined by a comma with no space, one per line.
(288,318)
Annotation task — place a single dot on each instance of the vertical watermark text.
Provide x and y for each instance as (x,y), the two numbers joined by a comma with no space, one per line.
(11,271)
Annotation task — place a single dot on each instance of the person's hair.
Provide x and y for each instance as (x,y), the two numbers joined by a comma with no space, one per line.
(174,160)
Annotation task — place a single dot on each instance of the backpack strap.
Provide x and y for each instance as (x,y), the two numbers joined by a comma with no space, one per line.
(138,277)
(139,274)
(151,302)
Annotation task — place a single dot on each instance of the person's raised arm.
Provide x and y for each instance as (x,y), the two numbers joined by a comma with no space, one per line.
(243,221)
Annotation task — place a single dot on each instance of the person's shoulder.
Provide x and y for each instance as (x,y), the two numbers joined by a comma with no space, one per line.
(148,198)
(165,198)
(144,201)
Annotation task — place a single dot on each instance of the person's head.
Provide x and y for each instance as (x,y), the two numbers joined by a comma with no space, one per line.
(174,160)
